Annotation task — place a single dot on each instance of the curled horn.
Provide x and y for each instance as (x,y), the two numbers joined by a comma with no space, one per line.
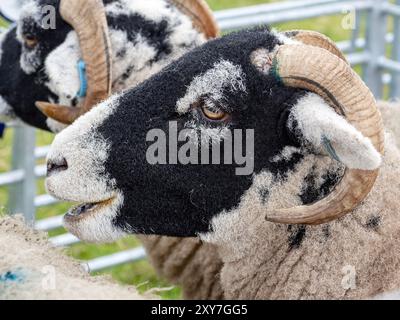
(88,19)
(318,70)
(316,39)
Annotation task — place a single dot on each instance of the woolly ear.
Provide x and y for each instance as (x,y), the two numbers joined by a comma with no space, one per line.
(329,133)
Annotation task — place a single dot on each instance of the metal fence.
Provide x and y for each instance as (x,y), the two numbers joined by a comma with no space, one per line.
(373,44)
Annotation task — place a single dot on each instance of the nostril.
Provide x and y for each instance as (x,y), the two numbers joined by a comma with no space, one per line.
(54,166)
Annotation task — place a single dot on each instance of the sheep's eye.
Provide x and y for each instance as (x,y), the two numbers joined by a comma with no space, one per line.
(213,114)
(30,41)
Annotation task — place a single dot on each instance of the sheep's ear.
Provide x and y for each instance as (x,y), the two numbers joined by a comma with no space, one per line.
(314,121)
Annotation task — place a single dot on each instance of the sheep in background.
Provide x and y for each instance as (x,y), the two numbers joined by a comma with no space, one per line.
(40,272)
(317,153)
(38,64)
(138,38)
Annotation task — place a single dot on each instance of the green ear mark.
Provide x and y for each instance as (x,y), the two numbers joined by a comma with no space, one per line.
(275,71)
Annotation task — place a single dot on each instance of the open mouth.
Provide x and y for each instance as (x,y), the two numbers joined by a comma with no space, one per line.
(85,209)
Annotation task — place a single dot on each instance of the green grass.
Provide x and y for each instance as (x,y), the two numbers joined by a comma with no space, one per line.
(142,274)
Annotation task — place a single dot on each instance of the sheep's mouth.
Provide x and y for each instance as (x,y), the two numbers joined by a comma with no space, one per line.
(81,211)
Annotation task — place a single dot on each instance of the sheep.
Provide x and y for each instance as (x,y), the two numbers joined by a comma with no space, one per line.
(43,62)
(144,36)
(38,271)
(316,218)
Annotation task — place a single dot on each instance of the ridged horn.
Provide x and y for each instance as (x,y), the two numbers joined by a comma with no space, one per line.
(88,19)
(201,15)
(316,39)
(317,70)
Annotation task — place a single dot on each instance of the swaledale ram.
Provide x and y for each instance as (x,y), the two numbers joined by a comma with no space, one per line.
(311,213)
(121,42)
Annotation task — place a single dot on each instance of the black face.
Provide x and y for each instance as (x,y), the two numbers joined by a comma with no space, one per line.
(22,75)
(180,200)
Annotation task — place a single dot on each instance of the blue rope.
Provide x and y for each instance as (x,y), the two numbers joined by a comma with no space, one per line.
(82,78)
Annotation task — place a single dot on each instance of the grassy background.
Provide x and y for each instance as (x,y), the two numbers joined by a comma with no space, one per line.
(141,274)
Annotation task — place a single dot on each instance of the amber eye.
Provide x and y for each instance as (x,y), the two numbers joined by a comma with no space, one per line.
(213,114)
(30,41)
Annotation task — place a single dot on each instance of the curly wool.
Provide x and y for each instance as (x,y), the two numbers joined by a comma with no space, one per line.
(30,268)
(189,262)
(355,257)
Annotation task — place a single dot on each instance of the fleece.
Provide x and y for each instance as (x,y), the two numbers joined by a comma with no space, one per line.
(260,259)
(355,257)
(30,268)
(188,262)
(145,36)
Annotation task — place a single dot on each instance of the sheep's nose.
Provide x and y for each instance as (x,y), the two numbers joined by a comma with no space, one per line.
(54,166)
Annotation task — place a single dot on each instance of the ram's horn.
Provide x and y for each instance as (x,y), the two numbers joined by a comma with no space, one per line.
(88,19)
(316,39)
(200,13)
(317,70)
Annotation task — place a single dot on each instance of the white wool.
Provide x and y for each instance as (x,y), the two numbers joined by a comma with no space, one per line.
(316,120)
(223,75)
(61,67)
(30,268)
(390,112)
(258,263)
(286,154)
(283,37)
(31,8)
(144,8)
(86,154)
(136,56)
(139,53)
(229,224)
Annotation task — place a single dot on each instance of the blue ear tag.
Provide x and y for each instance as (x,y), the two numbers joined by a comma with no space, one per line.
(328,147)
(2,127)
(82,78)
